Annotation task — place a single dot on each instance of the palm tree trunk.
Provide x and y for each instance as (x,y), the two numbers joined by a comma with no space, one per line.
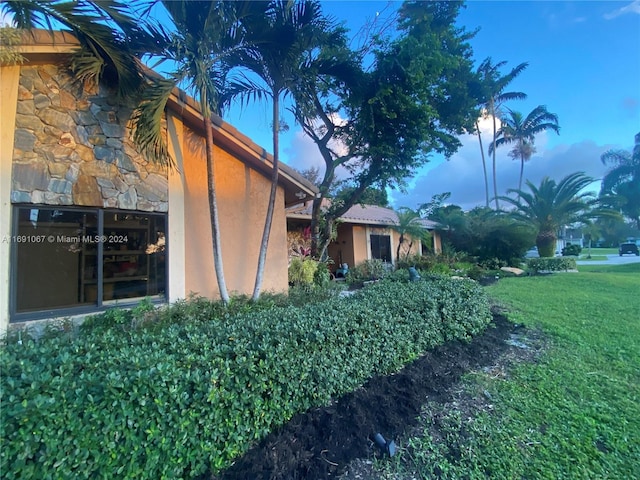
(400,242)
(521,173)
(546,243)
(495,178)
(521,165)
(264,245)
(484,166)
(213,212)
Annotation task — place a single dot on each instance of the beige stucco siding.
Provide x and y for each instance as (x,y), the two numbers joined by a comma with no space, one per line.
(243,195)
(9,78)
(360,244)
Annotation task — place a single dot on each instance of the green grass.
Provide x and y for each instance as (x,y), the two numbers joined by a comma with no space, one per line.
(575,414)
(600,251)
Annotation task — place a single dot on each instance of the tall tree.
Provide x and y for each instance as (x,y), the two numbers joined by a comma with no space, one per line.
(494,85)
(522,132)
(283,41)
(623,180)
(380,120)
(550,206)
(370,196)
(482,73)
(204,34)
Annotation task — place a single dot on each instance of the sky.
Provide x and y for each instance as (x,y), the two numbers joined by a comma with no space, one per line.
(584,65)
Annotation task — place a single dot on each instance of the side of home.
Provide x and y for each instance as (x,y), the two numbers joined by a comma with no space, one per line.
(366,232)
(86,221)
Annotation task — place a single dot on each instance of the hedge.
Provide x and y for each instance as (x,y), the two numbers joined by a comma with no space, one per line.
(551,264)
(188,398)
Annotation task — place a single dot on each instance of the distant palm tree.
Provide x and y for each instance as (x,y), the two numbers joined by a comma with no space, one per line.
(495,96)
(522,132)
(551,205)
(623,179)
(111,39)
(283,39)
(409,227)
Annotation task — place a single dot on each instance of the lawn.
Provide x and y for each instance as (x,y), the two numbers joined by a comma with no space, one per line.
(574,413)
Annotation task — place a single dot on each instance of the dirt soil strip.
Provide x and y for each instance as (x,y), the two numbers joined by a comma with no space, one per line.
(320,443)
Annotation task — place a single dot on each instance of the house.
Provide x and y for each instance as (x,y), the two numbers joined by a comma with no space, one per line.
(87,222)
(365,232)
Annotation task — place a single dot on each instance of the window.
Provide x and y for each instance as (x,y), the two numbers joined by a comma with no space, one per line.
(381,247)
(66,259)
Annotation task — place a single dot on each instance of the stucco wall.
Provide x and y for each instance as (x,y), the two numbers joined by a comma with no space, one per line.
(9,78)
(66,144)
(242,201)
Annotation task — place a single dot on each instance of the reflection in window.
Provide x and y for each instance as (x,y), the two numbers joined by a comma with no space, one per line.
(381,247)
(66,258)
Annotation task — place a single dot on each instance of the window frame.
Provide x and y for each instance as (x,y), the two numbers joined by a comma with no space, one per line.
(100,304)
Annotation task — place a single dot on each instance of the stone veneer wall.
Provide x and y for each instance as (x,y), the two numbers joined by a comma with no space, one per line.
(72,147)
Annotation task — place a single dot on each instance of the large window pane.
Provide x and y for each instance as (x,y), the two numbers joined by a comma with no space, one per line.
(381,247)
(134,255)
(67,258)
(50,257)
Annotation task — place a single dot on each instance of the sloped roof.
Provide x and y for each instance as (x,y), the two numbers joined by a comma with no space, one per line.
(359,214)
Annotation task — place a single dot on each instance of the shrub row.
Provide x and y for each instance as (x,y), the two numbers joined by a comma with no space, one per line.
(178,401)
(551,264)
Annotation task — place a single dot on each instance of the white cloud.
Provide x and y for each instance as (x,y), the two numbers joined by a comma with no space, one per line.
(462,174)
(633,7)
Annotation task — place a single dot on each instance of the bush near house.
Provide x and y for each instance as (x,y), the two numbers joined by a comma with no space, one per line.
(175,401)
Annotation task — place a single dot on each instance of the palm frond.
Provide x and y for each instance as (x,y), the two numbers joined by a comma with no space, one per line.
(148,126)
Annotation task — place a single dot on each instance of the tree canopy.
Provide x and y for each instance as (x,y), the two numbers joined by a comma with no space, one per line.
(381,120)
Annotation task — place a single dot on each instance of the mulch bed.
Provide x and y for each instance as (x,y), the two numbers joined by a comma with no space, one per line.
(321,443)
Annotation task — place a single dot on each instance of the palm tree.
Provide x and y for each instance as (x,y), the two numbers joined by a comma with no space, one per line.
(623,179)
(522,132)
(495,97)
(408,225)
(551,205)
(282,39)
(205,34)
(111,39)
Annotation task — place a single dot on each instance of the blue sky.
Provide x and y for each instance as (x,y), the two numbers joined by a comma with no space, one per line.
(584,65)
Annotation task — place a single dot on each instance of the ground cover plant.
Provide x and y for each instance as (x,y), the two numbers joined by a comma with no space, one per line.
(572,413)
(133,397)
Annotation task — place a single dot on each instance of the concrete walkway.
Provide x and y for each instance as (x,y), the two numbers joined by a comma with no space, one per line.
(612,259)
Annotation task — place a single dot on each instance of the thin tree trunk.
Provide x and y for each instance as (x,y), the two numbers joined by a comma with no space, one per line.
(264,245)
(495,178)
(484,166)
(400,241)
(521,173)
(213,212)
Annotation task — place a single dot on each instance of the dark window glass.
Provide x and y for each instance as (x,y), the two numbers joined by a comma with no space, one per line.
(381,247)
(67,258)
(50,256)
(134,255)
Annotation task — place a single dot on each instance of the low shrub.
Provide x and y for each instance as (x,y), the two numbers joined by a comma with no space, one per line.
(374,269)
(188,398)
(571,250)
(302,271)
(551,264)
